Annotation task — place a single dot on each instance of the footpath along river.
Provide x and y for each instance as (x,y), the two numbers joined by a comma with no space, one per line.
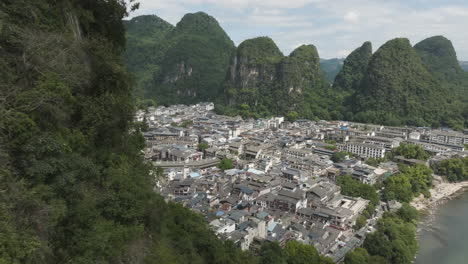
(445,239)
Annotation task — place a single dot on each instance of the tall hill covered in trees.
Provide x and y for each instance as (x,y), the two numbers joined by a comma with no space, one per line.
(422,85)
(440,58)
(145,49)
(264,82)
(186,63)
(398,89)
(354,68)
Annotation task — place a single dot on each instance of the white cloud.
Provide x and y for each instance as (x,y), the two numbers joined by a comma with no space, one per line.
(351,16)
(334,26)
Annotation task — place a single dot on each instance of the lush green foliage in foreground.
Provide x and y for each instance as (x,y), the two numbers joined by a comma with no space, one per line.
(394,242)
(455,169)
(74,188)
(73,184)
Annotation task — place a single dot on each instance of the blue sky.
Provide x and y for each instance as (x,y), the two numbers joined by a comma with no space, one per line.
(336,27)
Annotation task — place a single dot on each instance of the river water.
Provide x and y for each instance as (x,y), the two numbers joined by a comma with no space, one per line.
(446,240)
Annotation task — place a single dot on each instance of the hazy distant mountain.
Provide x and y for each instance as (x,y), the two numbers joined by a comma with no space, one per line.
(331,67)
(464,65)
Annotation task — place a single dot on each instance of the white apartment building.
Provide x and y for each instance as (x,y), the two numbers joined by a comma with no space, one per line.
(451,138)
(363,150)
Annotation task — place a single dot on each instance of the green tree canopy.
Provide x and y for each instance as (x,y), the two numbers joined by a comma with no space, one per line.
(411,151)
(338,156)
(355,188)
(454,170)
(226,164)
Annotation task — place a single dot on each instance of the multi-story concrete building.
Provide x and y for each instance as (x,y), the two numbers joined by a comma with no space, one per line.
(363,150)
(446,137)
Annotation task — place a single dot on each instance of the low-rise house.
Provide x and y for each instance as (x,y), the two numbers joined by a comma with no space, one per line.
(321,193)
(223,226)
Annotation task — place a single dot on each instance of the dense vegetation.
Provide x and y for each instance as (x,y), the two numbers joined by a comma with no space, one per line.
(398,89)
(355,188)
(145,49)
(263,82)
(293,253)
(226,164)
(337,156)
(411,151)
(394,242)
(252,75)
(454,170)
(439,56)
(74,187)
(408,183)
(354,68)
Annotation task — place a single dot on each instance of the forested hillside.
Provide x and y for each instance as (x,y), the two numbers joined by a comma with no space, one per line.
(263,82)
(145,49)
(354,68)
(73,184)
(398,89)
(183,64)
(400,84)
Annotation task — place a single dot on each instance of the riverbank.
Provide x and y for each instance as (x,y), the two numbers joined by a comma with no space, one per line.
(442,234)
(441,192)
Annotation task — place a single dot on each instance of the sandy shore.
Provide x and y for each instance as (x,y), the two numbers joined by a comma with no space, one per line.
(439,193)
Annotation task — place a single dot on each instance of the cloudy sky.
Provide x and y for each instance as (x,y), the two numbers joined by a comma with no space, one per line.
(336,27)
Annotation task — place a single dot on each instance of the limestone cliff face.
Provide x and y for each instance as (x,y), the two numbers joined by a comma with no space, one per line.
(255,62)
(261,77)
(183,64)
(300,70)
(253,71)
